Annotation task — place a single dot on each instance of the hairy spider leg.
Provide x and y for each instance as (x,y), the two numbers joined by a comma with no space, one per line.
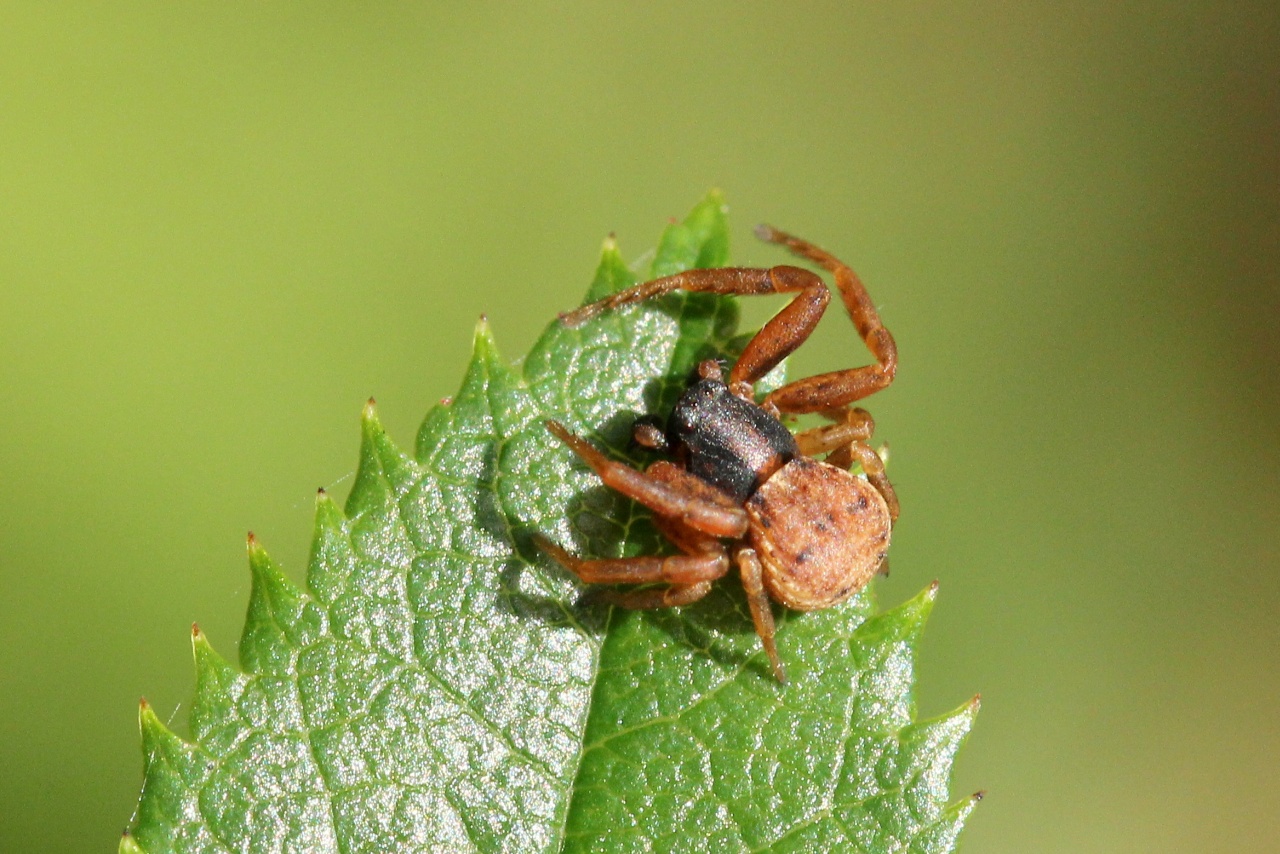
(873,468)
(681,572)
(674,569)
(838,388)
(852,424)
(669,491)
(846,443)
(784,332)
(658,597)
(758,600)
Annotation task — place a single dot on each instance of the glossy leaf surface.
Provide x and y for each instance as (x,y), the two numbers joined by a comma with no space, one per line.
(440,685)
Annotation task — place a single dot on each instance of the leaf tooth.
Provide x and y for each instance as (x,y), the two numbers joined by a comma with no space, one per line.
(209,663)
(160,744)
(710,220)
(469,409)
(173,772)
(382,464)
(906,621)
(941,835)
(484,352)
(500,390)
(283,593)
(332,558)
(277,619)
(700,240)
(129,845)
(483,347)
(491,403)
(612,273)
(218,686)
(925,756)
(435,428)
(885,647)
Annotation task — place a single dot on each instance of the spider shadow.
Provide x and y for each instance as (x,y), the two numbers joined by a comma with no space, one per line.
(704,625)
(717,626)
(528,567)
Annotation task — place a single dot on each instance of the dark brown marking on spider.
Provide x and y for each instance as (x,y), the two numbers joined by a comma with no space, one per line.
(803,532)
(731,443)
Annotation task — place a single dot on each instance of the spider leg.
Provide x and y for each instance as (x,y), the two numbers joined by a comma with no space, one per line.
(689,576)
(873,468)
(852,424)
(758,600)
(689,540)
(664,489)
(845,442)
(680,570)
(784,332)
(838,388)
(659,597)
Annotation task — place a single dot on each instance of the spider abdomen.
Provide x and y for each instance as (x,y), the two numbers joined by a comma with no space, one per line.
(821,533)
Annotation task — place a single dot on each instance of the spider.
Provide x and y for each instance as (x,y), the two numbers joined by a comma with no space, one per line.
(741,489)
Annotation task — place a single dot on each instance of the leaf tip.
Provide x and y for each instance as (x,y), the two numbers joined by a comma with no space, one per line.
(128,845)
(253,546)
(260,563)
(370,412)
(977,796)
(200,646)
(324,503)
(975,704)
(483,347)
(923,603)
(149,722)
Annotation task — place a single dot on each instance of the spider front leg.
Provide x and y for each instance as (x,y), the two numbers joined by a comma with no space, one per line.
(665,489)
(689,576)
(784,332)
(838,388)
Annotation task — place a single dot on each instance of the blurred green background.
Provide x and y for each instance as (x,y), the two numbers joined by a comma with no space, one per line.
(223,227)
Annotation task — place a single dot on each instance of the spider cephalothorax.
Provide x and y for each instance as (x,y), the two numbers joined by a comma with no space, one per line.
(740,489)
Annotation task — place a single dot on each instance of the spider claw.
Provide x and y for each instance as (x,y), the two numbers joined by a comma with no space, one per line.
(771,649)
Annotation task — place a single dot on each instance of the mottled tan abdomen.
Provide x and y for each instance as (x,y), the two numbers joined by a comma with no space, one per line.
(821,533)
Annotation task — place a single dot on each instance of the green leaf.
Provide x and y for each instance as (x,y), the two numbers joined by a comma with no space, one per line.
(440,685)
